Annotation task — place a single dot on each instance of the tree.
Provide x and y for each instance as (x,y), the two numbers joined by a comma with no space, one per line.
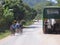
(39,8)
(19,11)
(30,13)
(16,5)
(1,14)
(49,3)
(1,11)
(19,8)
(58,3)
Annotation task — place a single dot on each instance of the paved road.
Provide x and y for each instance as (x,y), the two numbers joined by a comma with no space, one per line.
(32,35)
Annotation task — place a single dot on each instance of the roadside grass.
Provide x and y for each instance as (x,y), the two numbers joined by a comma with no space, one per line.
(5,34)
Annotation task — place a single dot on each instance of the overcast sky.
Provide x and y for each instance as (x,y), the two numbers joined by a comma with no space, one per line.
(53,1)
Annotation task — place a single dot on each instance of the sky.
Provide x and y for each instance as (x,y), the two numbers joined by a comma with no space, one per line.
(53,1)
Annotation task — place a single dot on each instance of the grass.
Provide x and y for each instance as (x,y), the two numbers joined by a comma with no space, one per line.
(5,34)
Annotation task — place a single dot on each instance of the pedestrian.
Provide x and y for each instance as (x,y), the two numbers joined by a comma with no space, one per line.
(12,28)
(17,27)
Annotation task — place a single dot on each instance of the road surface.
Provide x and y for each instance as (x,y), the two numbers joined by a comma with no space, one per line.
(32,35)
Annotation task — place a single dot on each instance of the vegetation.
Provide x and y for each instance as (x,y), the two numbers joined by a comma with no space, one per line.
(40,6)
(58,4)
(14,10)
(5,34)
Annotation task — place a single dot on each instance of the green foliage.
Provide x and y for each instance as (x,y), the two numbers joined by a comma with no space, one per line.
(49,3)
(20,10)
(1,11)
(30,14)
(6,18)
(39,8)
(1,15)
(8,15)
(58,4)
(5,34)
(58,1)
(15,10)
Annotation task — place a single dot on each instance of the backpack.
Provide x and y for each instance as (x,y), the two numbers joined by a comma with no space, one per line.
(17,26)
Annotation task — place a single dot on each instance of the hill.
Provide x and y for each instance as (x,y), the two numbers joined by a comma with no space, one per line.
(33,2)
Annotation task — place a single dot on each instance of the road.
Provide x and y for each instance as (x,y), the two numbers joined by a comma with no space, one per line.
(32,35)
